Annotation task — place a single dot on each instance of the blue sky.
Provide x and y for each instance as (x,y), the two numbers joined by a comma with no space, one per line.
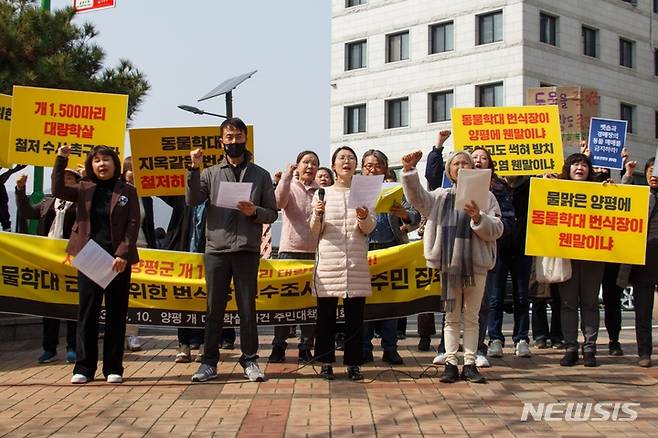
(186,48)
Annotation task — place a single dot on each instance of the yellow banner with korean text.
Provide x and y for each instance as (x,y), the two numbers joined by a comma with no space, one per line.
(160,156)
(44,119)
(523,140)
(5,124)
(168,288)
(587,221)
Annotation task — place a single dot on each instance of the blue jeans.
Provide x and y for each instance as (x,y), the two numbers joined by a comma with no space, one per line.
(520,267)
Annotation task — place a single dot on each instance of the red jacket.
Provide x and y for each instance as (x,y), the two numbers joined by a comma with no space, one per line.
(124,213)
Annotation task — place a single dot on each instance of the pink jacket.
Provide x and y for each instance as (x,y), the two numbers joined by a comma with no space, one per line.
(296,201)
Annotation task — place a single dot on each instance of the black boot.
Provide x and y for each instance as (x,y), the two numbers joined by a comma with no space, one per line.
(354,373)
(305,356)
(615,349)
(569,359)
(450,374)
(327,372)
(589,358)
(470,373)
(278,354)
(424,343)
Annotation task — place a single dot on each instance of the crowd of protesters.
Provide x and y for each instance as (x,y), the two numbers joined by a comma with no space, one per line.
(475,249)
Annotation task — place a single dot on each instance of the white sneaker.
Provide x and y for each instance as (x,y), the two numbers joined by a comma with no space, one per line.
(523,349)
(79,379)
(114,378)
(481,361)
(253,373)
(495,348)
(440,359)
(134,344)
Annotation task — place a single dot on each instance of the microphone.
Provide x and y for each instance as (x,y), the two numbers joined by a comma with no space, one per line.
(321,198)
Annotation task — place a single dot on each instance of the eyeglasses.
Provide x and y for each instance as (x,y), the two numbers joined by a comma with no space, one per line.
(349,158)
(371,166)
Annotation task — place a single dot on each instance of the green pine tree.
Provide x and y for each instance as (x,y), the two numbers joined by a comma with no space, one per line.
(45,49)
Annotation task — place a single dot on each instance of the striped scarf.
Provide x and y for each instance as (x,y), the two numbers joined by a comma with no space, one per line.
(456,250)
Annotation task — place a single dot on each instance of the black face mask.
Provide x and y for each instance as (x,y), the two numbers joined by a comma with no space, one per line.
(234,150)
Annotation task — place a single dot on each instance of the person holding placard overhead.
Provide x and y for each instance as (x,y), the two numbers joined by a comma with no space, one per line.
(107,212)
(341,267)
(233,240)
(461,243)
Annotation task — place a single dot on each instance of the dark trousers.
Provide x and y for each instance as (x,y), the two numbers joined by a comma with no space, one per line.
(326,330)
(581,291)
(194,336)
(612,301)
(643,296)
(520,267)
(116,307)
(426,325)
(540,328)
(242,267)
(190,336)
(50,337)
(281,332)
(387,328)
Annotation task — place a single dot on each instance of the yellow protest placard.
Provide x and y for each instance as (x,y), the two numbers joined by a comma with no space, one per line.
(44,119)
(160,156)
(587,221)
(390,195)
(522,140)
(5,123)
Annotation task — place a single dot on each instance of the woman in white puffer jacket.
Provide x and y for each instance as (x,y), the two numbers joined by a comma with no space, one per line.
(341,268)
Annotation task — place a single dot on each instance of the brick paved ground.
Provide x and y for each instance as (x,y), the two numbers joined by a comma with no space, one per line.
(157,398)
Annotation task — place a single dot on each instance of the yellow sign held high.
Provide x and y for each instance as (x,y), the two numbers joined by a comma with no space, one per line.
(160,156)
(522,140)
(587,221)
(44,119)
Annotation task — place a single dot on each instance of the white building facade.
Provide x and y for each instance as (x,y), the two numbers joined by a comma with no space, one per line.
(398,66)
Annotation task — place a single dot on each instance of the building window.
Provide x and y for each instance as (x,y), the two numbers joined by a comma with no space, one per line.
(626,48)
(355,119)
(355,54)
(655,6)
(590,38)
(490,94)
(655,61)
(350,3)
(440,105)
(397,46)
(442,37)
(397,113)
(490,27)
(627,112)
(656,123)
(548,28)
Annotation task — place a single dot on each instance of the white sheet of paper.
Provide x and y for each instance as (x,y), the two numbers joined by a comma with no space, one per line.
(230,193)
(95,263)
(473,185)
(365,191)
(655,168)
